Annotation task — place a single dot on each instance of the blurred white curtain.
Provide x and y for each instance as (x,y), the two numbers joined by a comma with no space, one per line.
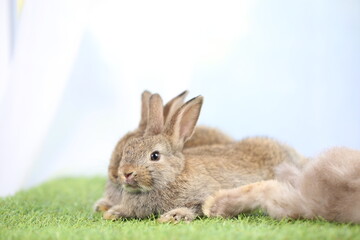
(47,36)
(71,84)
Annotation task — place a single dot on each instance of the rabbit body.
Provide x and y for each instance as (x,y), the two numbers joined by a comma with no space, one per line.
(327,187)
(158,176)
(203,135)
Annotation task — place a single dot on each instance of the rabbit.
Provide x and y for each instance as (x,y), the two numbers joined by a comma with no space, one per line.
(159,177)
(328,187)
(202,136)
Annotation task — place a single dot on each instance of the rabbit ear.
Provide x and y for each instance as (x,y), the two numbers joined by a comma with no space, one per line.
(145,98)
(156,118)
(182,124)
(173,105)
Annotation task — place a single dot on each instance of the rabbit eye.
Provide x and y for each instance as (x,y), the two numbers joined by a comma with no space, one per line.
(155,156)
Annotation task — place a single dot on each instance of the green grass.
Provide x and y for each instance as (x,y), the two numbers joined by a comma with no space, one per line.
(62,209)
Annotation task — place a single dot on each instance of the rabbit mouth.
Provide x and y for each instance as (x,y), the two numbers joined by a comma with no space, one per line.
(131,182)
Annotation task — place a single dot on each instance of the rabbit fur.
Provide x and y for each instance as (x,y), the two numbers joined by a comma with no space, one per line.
(158,176)
(202,136)
(327,187)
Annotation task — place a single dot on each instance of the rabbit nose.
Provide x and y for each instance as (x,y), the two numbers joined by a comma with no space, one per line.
(129,175)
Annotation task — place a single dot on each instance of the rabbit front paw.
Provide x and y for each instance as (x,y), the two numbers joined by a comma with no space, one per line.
(177,215)
(102,205)
(115,213)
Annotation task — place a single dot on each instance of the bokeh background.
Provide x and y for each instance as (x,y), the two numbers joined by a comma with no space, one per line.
(71,75)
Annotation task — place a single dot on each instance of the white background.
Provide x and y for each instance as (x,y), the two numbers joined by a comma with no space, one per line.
(71,75)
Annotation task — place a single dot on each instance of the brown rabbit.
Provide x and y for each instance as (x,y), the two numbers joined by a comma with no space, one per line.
(202,136)
(327,187)
(158,177)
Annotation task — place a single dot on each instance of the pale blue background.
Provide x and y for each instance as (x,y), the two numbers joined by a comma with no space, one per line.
(72,85)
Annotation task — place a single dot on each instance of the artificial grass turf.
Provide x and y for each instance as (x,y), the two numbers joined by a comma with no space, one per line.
(62,209)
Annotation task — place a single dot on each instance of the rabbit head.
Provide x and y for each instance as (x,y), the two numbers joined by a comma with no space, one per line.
(152,161)
(168,111)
